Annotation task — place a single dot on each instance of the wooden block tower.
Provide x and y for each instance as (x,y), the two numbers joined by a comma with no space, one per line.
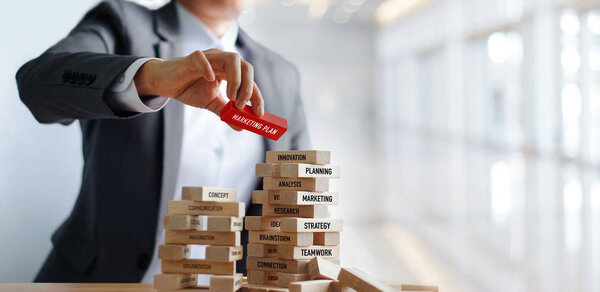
(294,227)
(205,216)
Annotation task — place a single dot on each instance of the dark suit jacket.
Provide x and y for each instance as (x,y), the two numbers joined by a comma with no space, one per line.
(130,159)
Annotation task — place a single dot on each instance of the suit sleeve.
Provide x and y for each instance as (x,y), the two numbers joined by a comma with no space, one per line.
(300,136)
(71,79)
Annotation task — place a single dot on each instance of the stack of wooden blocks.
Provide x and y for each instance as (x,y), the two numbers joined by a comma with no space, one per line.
(294,227)
(205,216)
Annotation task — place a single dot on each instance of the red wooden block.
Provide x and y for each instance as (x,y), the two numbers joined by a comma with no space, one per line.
(269,125)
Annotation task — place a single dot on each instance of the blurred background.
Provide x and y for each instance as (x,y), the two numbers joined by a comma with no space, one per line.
(468,132)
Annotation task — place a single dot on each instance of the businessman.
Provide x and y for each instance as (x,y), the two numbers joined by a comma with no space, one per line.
(146,87)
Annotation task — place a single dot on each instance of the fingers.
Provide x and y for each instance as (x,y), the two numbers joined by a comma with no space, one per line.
(258,103)
(239,75)
(197,62)
(244,93)
(235,127)
(234,76)
(216,105)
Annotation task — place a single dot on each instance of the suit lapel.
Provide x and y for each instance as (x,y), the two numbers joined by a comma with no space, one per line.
(167,47)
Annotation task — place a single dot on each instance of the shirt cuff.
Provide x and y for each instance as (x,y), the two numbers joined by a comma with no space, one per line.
(123,94)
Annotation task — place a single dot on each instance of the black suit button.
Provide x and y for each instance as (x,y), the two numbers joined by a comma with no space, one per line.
(143,261)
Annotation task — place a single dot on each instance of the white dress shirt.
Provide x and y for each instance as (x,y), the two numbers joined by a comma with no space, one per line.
(212,153)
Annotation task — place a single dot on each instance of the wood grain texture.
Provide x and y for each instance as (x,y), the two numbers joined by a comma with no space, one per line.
(286,278)
(305,211)
(228,283)
(326,238)
(296,184)
(203,237)
(224,253)
(280,238)
(303,198)
(194,266)
(209,194)
(307,252)
(299,156)
(174,281)
(308,170)
(261,250)
(277,265)
(310,286)
(263,277)
(262,223)
(319,268)
(173,251)
(234,209)
(311,225)
(360,281)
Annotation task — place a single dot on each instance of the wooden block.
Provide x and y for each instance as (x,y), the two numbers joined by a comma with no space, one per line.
(260,197)
(296,184)
(228,283)
(319,268)
(262,223)
(306,211)
(280,197)
(194,266)
(430,288)
(268,125)
(267,170)
(234,209)
(296,170)
(263,277)
(277,265)
(265,196)
(359,281)
(224,223)
(189,289)
(338,287)
(326,238)
(261,288)
(261,250)
(174,281)
(198,288)
(202,223)
(286,278)
(203,237)
(308,170)
(281,238)
(335,261)
(307,252)
(311,225)
(302,156)
(209,194)
(224,253)
(182,222)
(173,251)
(310,286)
(303,198)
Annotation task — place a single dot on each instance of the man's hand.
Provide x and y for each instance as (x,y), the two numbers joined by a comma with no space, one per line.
(194,80)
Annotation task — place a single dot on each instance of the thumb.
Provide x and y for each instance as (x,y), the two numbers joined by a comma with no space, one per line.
(217,105)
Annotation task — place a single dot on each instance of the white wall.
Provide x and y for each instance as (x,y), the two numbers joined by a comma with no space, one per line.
(40,164)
